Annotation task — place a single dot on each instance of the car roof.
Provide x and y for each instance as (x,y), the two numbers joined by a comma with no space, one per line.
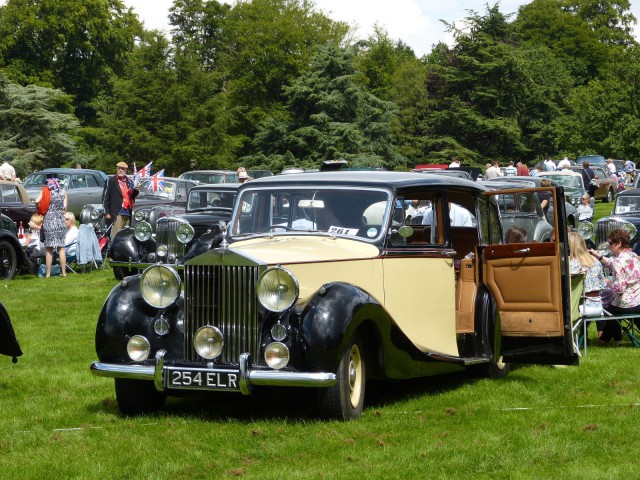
(216,186)
(564,171)
(223,172)
(504,185)
(380,179)
(67,171)
(531,180)
(632,192)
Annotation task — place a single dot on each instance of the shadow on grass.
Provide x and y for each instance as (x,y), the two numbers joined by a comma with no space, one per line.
(295,405)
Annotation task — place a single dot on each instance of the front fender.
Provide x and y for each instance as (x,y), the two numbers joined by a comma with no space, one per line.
(125,246)
(125,314)
(330,319)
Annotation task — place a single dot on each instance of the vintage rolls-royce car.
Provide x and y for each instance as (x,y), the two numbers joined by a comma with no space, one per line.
(175,238)
(625,214)
(324,280)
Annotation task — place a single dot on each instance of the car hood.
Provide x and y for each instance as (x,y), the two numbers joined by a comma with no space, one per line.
(285,249)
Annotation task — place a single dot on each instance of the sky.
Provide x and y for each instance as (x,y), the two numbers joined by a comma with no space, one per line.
(415,22)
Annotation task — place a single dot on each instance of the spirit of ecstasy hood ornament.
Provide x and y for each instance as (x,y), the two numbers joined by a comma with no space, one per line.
(224,227)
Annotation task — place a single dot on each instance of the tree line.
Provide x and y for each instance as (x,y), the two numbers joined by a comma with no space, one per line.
(272,84)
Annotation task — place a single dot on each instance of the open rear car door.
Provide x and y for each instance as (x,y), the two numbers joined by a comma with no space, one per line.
(530,284)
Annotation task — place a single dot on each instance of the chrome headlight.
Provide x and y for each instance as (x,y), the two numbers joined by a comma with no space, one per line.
(277,289)
(184,233)
(160,286)
(138,348)
(276,355)
(142,231)
(208,342)
(94,215)
(162,250)
(139,216)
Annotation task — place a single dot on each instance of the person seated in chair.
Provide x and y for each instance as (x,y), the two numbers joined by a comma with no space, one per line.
(33,242)
(71,239)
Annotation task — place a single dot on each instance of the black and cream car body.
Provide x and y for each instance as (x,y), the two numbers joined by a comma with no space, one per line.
(324,280)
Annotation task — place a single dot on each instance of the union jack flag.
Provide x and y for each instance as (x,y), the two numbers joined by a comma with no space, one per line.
(156,184)
(146,171)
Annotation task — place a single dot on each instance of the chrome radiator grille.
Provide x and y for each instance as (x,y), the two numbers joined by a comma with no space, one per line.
(224,297)
(603,229)
(166,235)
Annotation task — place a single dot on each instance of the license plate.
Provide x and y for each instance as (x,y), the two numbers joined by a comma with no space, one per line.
(201,379)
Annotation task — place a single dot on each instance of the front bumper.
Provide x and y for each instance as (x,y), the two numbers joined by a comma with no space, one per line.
(247,378)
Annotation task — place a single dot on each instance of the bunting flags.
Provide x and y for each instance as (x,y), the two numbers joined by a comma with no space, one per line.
(156,184)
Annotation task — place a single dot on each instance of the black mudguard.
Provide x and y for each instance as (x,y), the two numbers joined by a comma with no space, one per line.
(8,342)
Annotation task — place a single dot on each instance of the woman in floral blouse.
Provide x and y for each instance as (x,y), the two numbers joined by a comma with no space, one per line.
(626,281)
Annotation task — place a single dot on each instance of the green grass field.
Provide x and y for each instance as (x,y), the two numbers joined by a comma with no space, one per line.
(58,421)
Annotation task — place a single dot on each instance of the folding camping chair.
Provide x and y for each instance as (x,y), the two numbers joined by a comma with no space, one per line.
(88,253)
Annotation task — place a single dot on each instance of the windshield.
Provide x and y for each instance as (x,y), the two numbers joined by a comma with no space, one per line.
(627,204)
(37,180)
(168,192)
(203,199)
(518,204)
(338,211)
(211,177)
(571,181)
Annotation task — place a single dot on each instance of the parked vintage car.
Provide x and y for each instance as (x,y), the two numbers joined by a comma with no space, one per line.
(83,185)
(9,345)
(212,176)
(13,259)
(320,283)
(15,203)
(152,205)
(571,181)
(626,211)
(175,238)
(570,211)
(523,210)
(608,185)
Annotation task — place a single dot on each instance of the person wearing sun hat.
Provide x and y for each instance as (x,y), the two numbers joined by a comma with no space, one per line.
(243,176)
(119,198)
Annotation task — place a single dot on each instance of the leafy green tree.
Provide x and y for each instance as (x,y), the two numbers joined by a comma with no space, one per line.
(37,127)
(73,45)
(329,115)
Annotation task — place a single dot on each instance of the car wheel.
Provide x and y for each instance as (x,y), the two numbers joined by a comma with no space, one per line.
(8,261)
(345,399)
(610,195)
(137,397)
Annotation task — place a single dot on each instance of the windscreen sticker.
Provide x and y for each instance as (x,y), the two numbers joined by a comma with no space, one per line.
(372,232)
(343,231)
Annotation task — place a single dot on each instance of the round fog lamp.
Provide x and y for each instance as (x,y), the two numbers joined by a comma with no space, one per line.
(208,342)
(184,233)
(161,326)
(276,355)
(138,348)
(277,289)
(139,216)
(160,286)
(142,231)
(162,250)
(278,332)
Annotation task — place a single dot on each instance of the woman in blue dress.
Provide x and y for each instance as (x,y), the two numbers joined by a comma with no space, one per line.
(54,225)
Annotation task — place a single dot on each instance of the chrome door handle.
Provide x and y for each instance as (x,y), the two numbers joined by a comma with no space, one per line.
(523,250)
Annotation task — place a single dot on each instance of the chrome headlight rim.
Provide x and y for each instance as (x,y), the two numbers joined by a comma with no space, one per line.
(95,214)
(277,355)
(138,348)
(273,300)
(142,231)
(185,233)
(160,286)
(139,215)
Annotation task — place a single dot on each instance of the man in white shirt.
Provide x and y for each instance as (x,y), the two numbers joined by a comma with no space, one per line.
(564,163)
(454,163)
(510,170)
(611,167)
(493,171)
(7,172)
(549,165)
(458,216)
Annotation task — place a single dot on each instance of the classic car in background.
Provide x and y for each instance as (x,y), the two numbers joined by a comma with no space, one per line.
(571,213)
(608,185)
(13,259)
(175,238)
(211,176)
(15,203)
(152,205)
(522,210)
(9,345)
(571,181)
(320,283)
(625,211)
(83,186)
